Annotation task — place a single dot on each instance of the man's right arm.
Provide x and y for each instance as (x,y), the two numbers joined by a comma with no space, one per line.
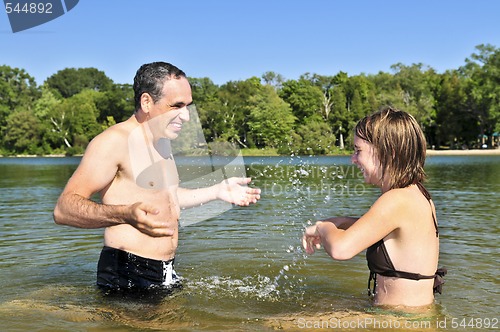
(96,171)
(72,209)
(78,211)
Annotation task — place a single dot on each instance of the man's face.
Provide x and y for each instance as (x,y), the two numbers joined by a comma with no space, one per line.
(167,115)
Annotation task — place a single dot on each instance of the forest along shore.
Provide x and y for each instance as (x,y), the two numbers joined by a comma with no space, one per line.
(475,152)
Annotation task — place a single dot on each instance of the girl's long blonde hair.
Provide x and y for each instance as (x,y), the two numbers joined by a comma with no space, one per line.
(399,144)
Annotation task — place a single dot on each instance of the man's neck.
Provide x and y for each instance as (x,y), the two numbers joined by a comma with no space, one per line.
(140,116)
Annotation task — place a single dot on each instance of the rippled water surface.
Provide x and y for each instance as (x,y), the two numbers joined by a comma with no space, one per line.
(244,269)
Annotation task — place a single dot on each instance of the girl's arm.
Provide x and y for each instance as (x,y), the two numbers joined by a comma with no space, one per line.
(344,238)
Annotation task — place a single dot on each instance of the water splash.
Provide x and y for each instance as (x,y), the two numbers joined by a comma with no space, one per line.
(257,286)
(300,188)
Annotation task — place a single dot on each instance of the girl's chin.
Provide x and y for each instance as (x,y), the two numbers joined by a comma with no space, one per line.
(369,181)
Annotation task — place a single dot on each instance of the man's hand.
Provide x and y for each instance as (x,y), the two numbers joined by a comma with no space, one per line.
(235,190)
(142,217)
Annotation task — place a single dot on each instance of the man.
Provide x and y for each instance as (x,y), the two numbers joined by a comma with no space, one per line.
(131,166)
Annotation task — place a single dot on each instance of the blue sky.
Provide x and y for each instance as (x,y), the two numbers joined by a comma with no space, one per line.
(236,39)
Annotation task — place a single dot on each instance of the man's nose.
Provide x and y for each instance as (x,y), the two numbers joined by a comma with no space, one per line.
(184,114)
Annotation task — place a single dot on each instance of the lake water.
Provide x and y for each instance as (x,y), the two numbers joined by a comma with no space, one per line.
(244,269)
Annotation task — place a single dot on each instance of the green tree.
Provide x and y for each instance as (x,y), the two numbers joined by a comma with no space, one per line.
(22,132)
(416,88)
(314,138)
(360,96)
(74,121)
(304,98)
(453,120)
(483,86)
(270,119)
(339,120)
(234,98)
(116,102)
(45,103)
(18,91)
(206,97)
(326,85)
(273,79)
(43,108)
(360,100)
(70,81)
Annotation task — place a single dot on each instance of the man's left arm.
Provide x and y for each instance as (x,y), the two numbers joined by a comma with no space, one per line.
(234,190)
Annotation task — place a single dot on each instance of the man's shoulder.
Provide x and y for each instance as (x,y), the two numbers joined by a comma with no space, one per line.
(118,131)
(111,141)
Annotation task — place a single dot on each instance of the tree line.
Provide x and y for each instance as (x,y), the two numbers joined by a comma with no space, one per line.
(314,114)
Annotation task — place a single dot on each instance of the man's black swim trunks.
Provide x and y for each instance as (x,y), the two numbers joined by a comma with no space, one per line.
(119,270)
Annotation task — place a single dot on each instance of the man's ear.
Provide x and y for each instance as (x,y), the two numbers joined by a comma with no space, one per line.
(146,102)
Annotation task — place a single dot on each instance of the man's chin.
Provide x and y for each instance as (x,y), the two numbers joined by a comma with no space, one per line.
(171,135)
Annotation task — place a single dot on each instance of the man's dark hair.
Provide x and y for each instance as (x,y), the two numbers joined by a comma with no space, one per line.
(150,77)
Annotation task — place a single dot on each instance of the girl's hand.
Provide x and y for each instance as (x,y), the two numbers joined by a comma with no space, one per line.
(311,240)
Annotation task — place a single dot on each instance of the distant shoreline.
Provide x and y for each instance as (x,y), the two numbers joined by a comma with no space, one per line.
(474,152)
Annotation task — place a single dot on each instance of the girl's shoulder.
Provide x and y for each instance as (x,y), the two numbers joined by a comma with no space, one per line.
(396,196)
(403,194)
(406,202)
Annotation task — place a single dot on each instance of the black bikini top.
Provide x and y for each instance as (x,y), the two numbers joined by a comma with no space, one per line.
(379,261)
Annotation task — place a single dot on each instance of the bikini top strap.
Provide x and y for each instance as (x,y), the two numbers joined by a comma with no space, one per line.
(424,191)
(427,195)
(435,224)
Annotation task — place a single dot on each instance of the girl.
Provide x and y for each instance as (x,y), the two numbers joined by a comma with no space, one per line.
(400,231)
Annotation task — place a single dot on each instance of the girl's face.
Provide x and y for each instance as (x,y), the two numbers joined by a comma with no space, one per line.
(365,158)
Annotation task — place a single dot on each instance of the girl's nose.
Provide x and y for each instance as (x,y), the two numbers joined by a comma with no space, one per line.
(354,158)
